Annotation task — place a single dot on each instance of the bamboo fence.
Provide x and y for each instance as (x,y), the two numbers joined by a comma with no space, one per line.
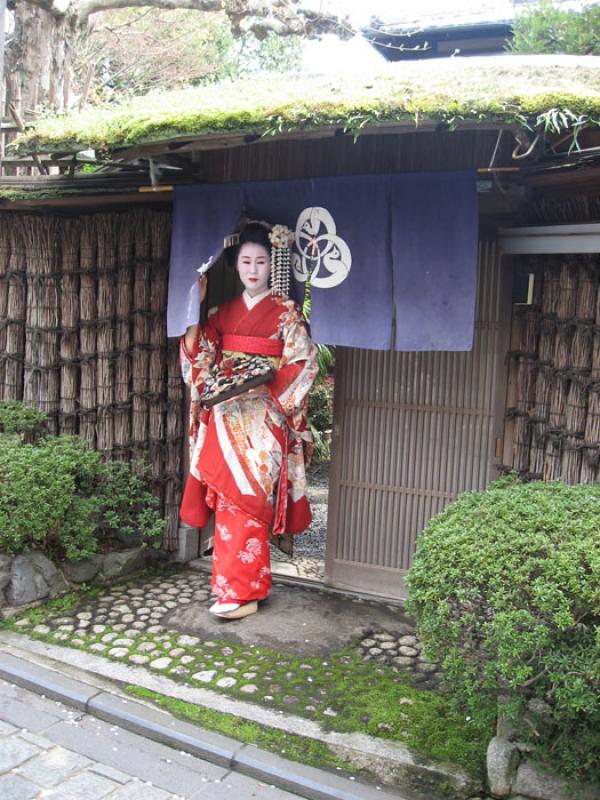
(83,336)
(555,369)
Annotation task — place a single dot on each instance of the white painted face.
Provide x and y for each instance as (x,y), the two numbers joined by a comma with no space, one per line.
(254,267)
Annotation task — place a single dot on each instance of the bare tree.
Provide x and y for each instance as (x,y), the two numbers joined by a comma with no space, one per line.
(40,47)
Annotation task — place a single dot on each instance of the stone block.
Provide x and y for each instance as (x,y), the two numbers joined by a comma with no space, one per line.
(123,562)
(5,570)
(82,571)
(27,583)
(502,762)
(534,782)
(188,544)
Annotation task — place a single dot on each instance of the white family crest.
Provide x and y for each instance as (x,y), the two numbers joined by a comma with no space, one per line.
(322,255)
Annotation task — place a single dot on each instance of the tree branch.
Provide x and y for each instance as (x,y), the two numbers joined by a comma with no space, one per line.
(57,8)
(283,17)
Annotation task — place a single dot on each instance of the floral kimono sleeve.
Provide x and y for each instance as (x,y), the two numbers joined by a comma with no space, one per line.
(297,368)
(196,364)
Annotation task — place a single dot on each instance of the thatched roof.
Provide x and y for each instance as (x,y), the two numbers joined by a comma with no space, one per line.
(515,90)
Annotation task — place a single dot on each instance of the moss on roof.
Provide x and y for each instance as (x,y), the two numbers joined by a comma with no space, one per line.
(503,89)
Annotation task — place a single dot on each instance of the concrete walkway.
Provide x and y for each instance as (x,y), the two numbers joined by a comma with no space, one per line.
(62,738)
(50,750)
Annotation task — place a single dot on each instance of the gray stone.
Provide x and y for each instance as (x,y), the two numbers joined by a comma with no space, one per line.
(15,751)
(249,688)
(139,659)
(146,647)
(41,628)
(118,652)
(14,787)
(5,571)
(53,766)
(205,676)
(117,564)
(160,663)
(226,683)
(502,762)
(188,544)
(532,781)
(85,786)
(403,661)
(82,571)
(28,583)
(190,641)
(408,641)
(405,650)
(98,647)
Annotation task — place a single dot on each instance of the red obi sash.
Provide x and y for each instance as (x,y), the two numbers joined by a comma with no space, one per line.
(254,345)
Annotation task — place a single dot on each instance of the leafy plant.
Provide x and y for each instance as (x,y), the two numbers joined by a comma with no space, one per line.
(58,496)
(550,29)
(505,586)
(19,418)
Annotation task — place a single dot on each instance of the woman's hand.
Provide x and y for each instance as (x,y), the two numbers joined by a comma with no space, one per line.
(192,331)
(202,286)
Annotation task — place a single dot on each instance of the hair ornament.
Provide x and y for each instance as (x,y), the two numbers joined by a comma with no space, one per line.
(281,238)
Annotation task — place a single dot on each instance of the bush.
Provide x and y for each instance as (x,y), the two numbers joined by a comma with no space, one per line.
(18,418)
(320,417)
(550,29)
(59,497)
(505,586)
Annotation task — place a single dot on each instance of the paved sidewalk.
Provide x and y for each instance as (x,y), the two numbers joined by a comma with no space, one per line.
(48,750)
(64,738)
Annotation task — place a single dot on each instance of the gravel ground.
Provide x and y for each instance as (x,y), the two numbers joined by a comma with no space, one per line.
(311,544)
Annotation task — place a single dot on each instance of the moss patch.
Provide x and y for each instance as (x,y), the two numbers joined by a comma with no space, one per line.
(296,748)
(506,89)
(340,693)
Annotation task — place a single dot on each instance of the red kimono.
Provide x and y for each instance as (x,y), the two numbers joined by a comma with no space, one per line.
(247,454)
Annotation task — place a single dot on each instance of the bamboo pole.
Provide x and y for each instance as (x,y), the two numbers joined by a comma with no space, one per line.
(122,371)
(88,320)
(106,255)
(175,444)
(15,314)
(4,266)
(141,332)
(158,362)
(70,234)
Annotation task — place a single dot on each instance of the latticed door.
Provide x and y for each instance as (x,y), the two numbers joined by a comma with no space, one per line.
(411,431)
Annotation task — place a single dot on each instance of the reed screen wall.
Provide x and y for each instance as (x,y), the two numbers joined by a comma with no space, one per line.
(83,336)
(553,425)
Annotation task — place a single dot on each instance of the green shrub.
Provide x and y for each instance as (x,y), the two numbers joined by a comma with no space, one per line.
(550,29)
(59,497)
(320,417)
(18,418)
(505,586)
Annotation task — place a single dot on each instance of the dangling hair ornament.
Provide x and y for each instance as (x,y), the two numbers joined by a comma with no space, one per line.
(281,238)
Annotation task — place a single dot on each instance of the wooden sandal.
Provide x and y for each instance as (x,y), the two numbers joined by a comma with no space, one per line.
(241,611)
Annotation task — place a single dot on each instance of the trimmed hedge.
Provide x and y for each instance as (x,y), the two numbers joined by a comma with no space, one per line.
(505,586)
(58,496)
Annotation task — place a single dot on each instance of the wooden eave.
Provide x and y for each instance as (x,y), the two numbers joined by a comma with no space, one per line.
(186,143)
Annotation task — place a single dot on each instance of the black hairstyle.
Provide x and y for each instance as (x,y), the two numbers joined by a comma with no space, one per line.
(252,233)
(255,233)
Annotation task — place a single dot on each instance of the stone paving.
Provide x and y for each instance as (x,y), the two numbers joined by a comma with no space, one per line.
(145,625)
(52,752)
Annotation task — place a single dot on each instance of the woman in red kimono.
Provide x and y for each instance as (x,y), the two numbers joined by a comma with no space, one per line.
(247,454)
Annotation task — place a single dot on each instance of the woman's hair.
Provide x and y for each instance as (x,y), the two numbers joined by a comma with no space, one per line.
(255,233)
